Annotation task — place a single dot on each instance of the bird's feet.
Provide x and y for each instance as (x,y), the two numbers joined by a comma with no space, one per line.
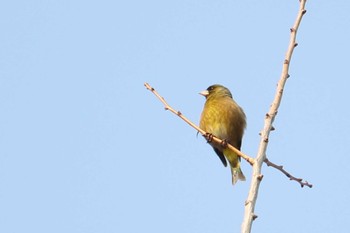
(209,137)
(224,143)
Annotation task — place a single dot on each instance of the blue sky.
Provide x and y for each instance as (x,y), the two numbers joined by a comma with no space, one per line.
(84,147)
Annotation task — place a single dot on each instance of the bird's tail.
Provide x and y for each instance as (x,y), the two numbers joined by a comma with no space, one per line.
(235,165)
(237,174)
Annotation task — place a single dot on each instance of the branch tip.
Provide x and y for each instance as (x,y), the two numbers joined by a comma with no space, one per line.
(148,87)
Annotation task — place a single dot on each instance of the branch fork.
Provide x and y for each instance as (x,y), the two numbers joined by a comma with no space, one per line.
(256,163)
(261,155)
(223,142)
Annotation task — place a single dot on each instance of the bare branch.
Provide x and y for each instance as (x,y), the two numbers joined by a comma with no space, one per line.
(270,116)
(280,168)
(209,137)
(204,134)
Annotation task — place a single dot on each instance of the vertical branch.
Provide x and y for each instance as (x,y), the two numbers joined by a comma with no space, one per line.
(249,215)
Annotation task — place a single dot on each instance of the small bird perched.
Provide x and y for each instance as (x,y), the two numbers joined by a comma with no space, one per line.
(223,118)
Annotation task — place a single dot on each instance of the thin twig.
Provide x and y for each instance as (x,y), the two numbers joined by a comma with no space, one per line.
(204,134)
(220,141)
(249,214)
(208,136)
(280,168)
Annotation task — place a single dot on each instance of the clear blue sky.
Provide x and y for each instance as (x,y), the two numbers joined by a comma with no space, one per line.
(84,147)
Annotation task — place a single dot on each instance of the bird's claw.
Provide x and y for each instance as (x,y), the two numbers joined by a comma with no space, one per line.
(209,137)
(224,143)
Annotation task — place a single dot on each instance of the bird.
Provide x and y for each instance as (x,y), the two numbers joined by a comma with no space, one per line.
(224,118)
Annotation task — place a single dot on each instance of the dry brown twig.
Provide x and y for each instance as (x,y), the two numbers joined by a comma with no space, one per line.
(280,168)
(250,160)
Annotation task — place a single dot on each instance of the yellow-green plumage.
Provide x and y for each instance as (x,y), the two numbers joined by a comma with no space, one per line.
(223,118)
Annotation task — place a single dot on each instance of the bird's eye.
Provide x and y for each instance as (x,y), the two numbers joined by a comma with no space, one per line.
(210,88)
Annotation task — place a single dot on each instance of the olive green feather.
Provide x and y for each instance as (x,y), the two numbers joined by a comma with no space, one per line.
(225,119)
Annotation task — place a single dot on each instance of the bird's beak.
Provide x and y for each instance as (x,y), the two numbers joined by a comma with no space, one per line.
(204,93)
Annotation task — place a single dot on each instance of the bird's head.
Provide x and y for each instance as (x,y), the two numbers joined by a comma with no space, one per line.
(215,91)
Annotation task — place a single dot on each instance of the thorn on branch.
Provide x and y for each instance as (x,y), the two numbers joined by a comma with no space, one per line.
(297,179)
(287,76)
(295,45)
(286,61)
(255,216)
(272,128)
(303,12)
(266,140)
(260,177)
(292,30)
(178,113)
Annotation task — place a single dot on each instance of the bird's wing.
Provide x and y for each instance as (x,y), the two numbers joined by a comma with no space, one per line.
(221,156)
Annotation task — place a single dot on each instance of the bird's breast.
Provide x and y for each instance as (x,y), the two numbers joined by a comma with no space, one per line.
(223,119)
